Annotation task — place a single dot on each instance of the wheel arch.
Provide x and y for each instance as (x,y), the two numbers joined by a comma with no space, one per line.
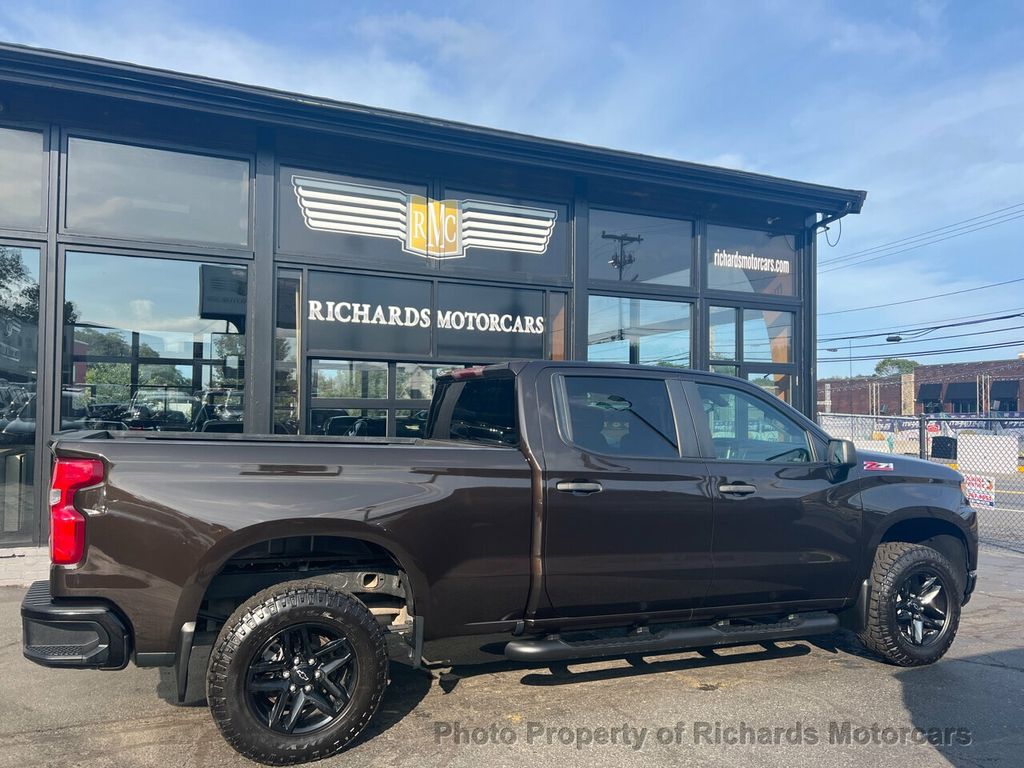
(930,528)
(364,543)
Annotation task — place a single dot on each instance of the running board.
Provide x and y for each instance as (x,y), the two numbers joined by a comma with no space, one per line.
(554,648)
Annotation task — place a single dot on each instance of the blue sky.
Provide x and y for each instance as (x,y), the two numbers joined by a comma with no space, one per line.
(920,103)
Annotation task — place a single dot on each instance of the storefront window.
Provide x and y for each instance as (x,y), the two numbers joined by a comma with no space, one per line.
(767,336)
(624,330)
(286,373)
(153,344)
(778,384)
(19,343)
(22,179)
(349,379)
(722,337)
(348,422)
(751,261)
(125,191)
(557,336)
(631,248)
(415,381)
(411,423)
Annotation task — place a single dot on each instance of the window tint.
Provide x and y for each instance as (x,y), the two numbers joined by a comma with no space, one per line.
(485,412)
(126,191)
(744,428)
(644,331)
(751,261)
(22,178)
(154,344)
(631,248)
(19,345)
(622,416)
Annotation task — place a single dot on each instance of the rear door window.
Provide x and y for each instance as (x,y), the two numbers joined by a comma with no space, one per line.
(618,415)
(484,412)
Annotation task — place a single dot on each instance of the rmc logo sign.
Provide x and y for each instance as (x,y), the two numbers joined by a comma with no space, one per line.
(435,229)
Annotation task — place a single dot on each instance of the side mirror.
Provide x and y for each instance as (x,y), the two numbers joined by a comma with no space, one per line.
(841,453)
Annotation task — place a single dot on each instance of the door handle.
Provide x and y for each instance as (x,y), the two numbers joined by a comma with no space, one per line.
(579,488)
(740,489)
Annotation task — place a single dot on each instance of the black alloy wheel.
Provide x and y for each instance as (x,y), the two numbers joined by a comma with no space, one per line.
(913,611)
(297,673)
(922,607)
(302,679)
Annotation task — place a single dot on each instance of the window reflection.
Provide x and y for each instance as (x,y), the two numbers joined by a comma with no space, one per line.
(22,179)
(153,344)
(628,248)
(286,374)
(19,340)
(643,331)
(767,336)
(127,191)
(751,261)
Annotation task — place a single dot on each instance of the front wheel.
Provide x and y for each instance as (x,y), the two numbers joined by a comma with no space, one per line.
(296,673)
(914,609)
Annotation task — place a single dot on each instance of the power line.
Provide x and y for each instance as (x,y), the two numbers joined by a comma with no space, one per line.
(919,245)
(888,330)
(902,352)
(921,298)
(923,235)
(975,348)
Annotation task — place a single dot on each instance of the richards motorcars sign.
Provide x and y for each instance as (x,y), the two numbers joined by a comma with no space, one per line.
(435,229)
(353,313)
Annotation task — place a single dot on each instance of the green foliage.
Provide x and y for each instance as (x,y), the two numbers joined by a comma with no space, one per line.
(891,366)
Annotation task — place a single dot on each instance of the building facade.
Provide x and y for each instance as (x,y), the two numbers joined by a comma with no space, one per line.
(994,387)
(183,254)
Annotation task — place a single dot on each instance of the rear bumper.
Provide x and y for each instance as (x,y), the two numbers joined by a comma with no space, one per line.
(84,634)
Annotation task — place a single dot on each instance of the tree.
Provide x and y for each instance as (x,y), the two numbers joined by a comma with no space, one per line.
(891,366)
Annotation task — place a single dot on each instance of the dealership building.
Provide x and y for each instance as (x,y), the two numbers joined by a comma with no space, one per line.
(181,254)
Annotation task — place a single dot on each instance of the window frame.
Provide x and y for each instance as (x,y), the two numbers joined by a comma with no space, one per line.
(687,441)
(816,441)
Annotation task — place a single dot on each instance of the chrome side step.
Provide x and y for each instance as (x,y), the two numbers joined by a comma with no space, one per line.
(554,648)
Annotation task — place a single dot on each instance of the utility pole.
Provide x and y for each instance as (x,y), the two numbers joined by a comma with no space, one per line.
(621,260)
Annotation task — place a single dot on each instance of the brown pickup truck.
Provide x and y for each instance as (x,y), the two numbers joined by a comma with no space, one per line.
(583,510)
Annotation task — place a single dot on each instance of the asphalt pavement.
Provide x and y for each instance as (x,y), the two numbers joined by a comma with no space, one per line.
(798,704)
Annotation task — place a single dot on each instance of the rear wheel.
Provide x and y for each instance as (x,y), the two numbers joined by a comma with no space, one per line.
(914,609)
(296,673)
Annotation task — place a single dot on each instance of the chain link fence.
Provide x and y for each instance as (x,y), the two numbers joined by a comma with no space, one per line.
(988,452)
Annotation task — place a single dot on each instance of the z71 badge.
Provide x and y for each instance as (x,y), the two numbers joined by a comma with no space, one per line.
(878,466)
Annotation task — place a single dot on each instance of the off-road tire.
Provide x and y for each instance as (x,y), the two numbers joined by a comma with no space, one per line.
(894,563)
(258,620)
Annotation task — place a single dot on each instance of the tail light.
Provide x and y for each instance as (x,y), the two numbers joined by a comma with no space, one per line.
(67,524)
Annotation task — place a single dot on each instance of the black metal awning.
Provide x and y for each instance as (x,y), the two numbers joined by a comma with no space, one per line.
(1005,389)
(961,390)
(928,392)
